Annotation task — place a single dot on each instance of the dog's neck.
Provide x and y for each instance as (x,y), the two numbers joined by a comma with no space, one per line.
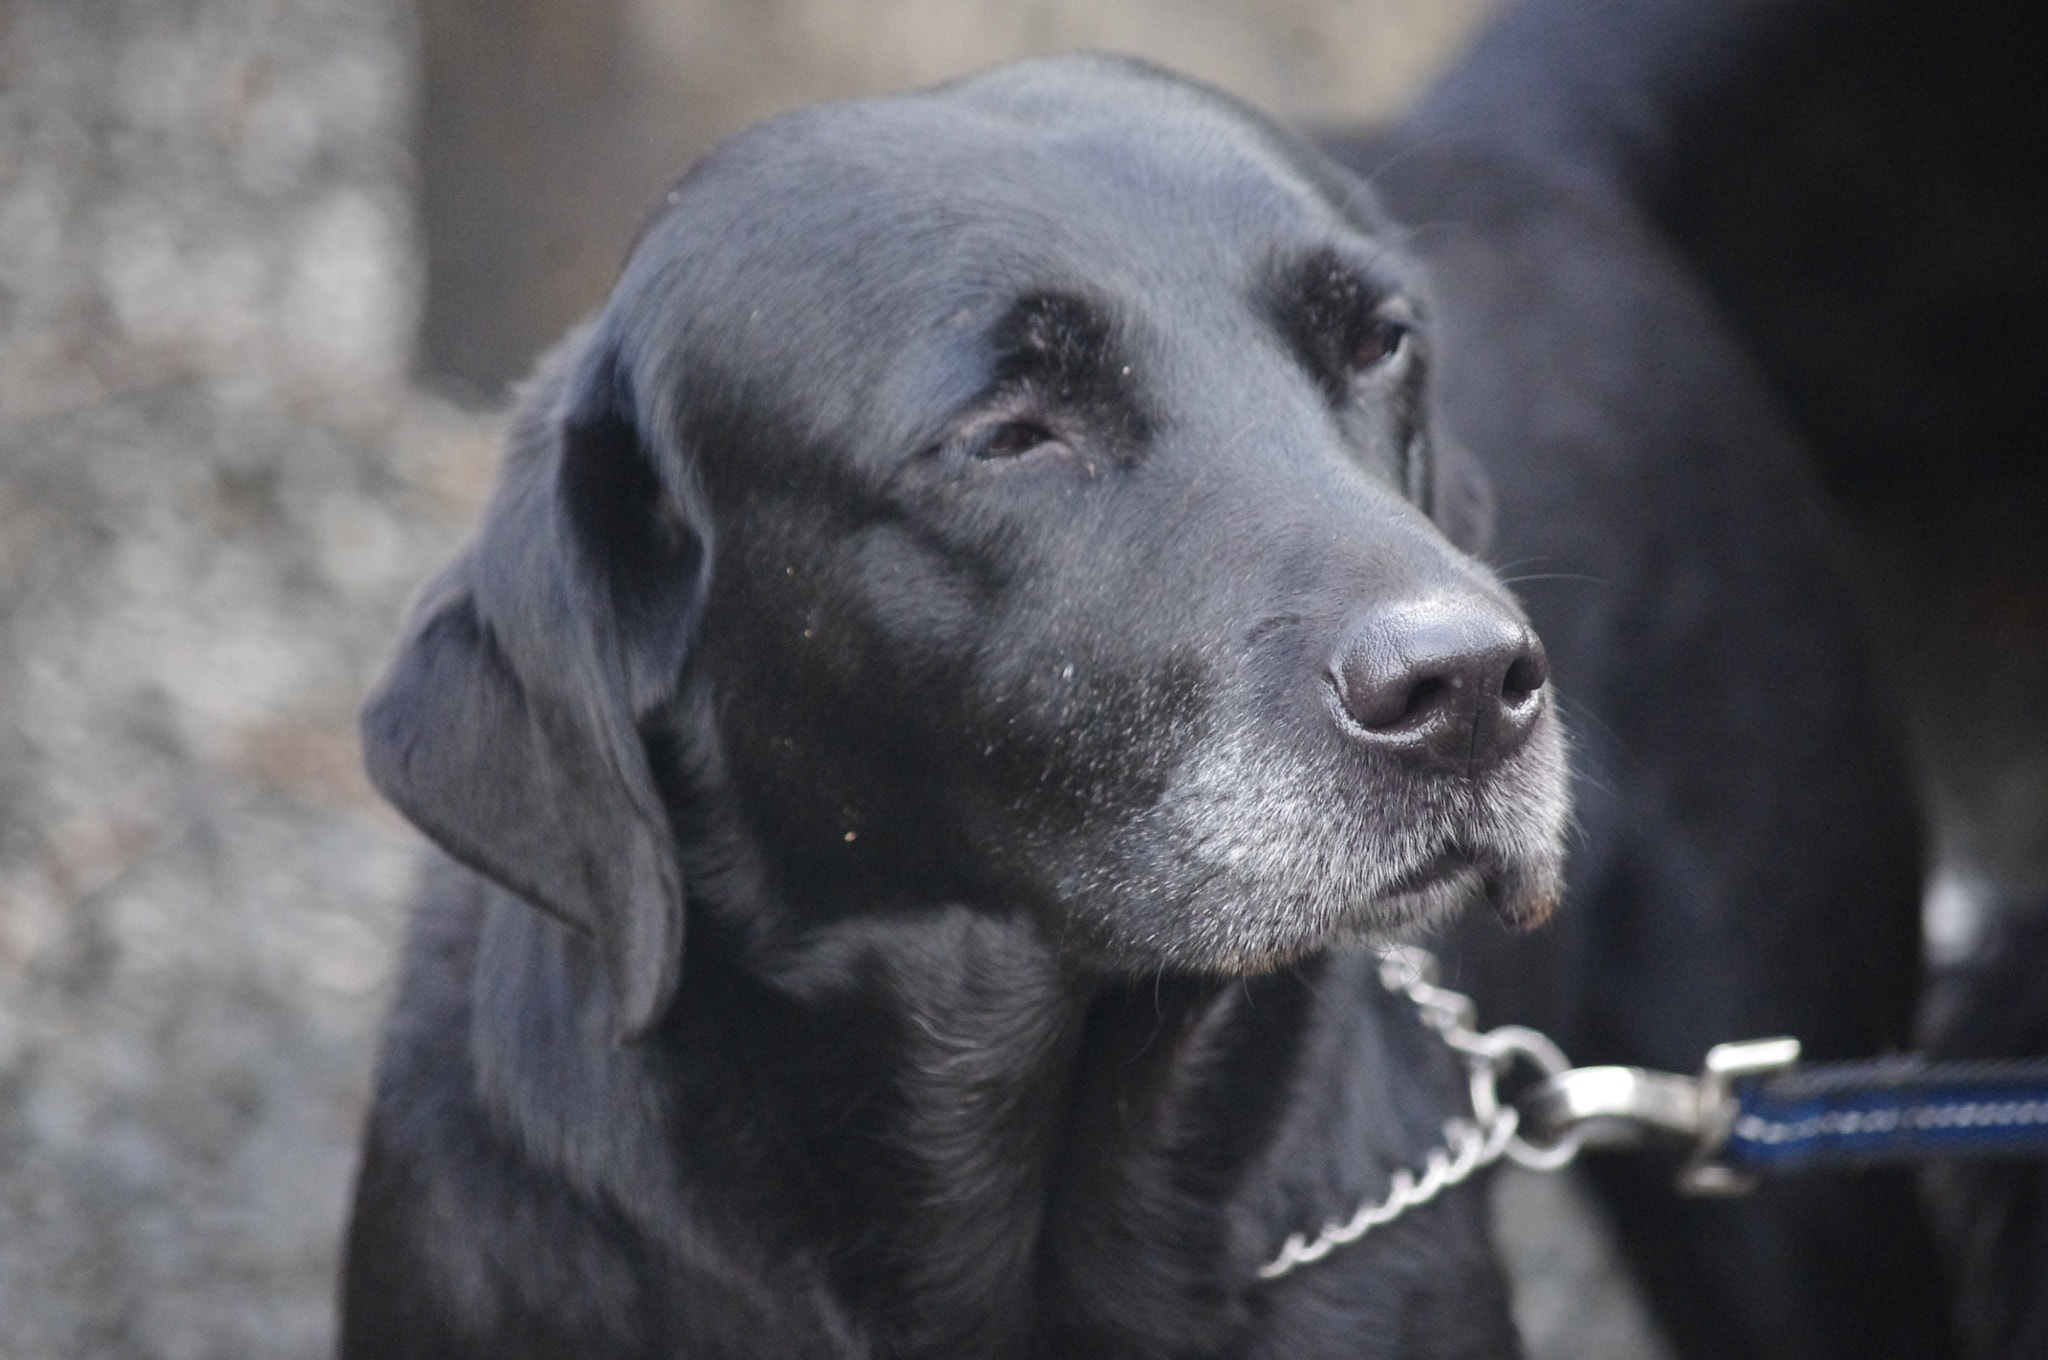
(967,1135)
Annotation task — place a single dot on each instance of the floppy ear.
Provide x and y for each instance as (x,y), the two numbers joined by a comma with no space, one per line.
(1460,494)
(508,727)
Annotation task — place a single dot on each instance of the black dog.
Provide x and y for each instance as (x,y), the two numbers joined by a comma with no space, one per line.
(988,579)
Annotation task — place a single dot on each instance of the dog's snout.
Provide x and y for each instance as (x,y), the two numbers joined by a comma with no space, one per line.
(1455,684)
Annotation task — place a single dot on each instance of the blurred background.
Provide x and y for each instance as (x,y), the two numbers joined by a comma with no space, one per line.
(266,270)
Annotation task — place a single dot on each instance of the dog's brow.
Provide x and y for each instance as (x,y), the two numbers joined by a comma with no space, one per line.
(1061,350)
(1332,286)
(1054,338)
(1322,302)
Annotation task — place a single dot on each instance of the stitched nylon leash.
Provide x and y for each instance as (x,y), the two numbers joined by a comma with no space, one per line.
(1752,1110)
(1892,1110)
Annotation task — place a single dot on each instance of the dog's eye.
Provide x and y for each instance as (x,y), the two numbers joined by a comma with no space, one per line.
(1014,438)
(1380,342)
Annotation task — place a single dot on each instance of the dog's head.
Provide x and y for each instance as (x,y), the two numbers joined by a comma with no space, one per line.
(1023,494)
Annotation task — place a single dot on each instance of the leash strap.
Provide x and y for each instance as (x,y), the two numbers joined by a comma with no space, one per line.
(1888,1111)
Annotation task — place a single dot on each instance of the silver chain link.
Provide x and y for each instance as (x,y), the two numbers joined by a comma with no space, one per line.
(1470,1145)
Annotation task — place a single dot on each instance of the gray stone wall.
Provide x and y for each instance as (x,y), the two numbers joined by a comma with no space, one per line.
(216,490)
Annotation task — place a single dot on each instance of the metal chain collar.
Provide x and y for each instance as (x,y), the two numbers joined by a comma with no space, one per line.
(1470,1145)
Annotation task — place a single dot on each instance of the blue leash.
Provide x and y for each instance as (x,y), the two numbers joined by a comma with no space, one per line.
(1888,1111)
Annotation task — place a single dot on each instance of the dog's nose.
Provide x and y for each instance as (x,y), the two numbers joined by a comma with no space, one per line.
(1451,683)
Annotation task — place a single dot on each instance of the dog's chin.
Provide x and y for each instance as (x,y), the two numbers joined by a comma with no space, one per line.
(1421,904)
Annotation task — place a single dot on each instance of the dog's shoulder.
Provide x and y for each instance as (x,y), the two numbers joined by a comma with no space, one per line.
(451,1209)
(517,1193)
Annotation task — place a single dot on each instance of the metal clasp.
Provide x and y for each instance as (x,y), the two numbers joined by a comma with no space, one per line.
(1621,1107)
(1706,1174)
(1612,1107)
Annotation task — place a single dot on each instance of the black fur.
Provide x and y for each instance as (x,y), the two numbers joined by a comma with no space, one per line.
(1864,190)
(1751,855)
(944,576)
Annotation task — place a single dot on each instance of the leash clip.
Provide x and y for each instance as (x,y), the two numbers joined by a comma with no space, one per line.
(1706,1173)
(1569,1108)
(1857,1113)
(1622,1107)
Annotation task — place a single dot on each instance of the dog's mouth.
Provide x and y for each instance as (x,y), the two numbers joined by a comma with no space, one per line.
(1421,899)
(1461,875)
(1258,856)
(1455,862)
(1415,902)
(1411,906)
(1520,894)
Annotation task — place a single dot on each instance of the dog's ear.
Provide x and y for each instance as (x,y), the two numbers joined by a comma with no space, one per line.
(508,728)
(1460,495)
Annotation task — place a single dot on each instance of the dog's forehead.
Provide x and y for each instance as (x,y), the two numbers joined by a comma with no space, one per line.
(1066,139)
(860,246)
(1039,174)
